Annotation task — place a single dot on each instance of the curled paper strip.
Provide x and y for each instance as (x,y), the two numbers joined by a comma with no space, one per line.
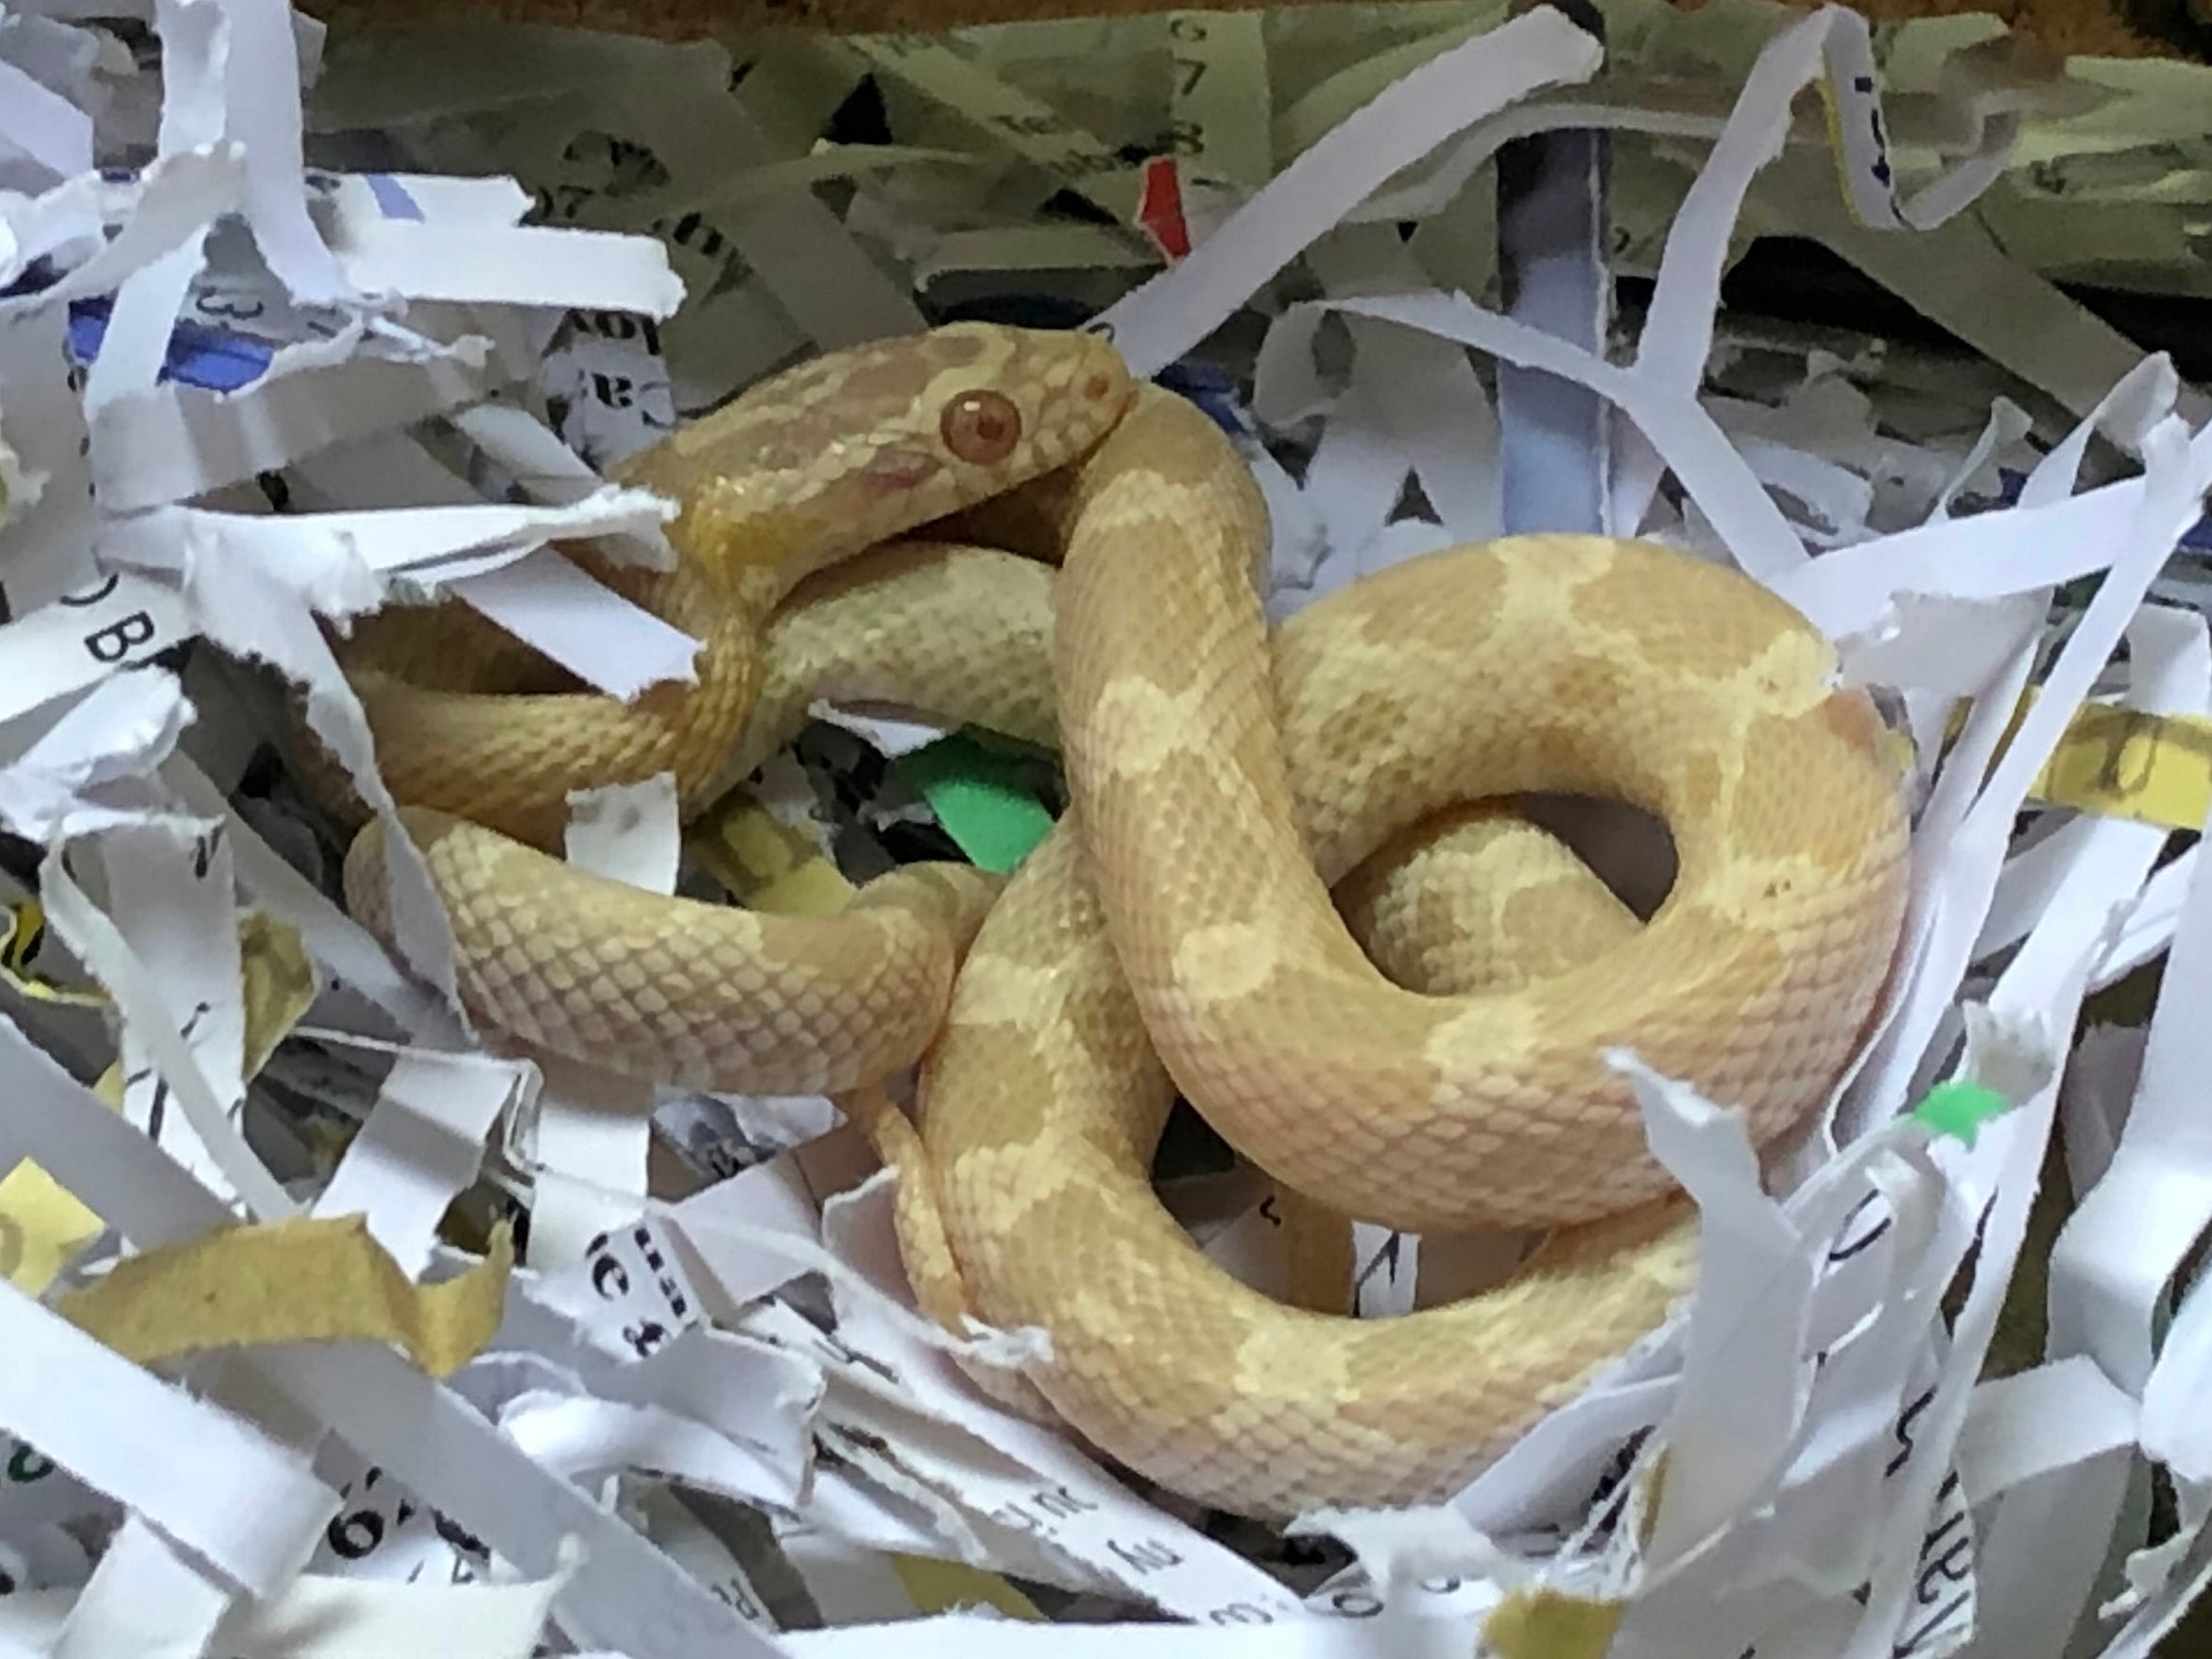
(304,1280)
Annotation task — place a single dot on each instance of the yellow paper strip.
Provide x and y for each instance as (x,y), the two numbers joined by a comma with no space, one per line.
(2123,763)
(42,1226)
(1543,1624)
(20,941)
(304,1280)
(279,984)
(943,1586)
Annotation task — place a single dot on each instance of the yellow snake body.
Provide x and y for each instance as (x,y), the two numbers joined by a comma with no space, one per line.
(797,474)
(793,477)
(1559,664)
(1247,815)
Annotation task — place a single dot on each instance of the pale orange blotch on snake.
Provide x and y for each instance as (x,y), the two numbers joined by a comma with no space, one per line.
(1179,924)
(793,477)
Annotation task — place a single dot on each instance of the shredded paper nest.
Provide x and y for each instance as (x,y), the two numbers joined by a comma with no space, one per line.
(2128,28)
(333,1329)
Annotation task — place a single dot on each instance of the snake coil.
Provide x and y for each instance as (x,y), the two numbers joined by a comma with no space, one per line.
(1287,889)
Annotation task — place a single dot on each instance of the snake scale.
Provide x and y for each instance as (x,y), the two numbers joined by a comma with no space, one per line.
(1286,889)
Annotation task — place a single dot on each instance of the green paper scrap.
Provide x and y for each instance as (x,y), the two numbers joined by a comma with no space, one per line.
(985,795)
(1960,1108)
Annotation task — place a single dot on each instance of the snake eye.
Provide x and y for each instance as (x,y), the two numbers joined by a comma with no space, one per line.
(980,427)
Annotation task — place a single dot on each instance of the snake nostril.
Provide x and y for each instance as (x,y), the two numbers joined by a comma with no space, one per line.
(981,427)
(1098,387)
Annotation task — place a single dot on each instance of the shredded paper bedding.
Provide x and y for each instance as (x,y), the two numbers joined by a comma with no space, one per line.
(332,1329)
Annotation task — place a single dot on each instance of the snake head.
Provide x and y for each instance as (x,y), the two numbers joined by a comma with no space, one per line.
(873,440)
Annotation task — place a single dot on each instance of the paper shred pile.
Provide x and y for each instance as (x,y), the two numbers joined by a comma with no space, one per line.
(2120,28)
(329,1330)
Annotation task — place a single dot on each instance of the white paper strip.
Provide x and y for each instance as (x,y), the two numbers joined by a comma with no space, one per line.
(1159,321)
(210,1480)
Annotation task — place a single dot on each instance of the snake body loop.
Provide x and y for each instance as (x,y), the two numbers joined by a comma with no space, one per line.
(1555,663)
(1247,812)
(794,476)
(797,475)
